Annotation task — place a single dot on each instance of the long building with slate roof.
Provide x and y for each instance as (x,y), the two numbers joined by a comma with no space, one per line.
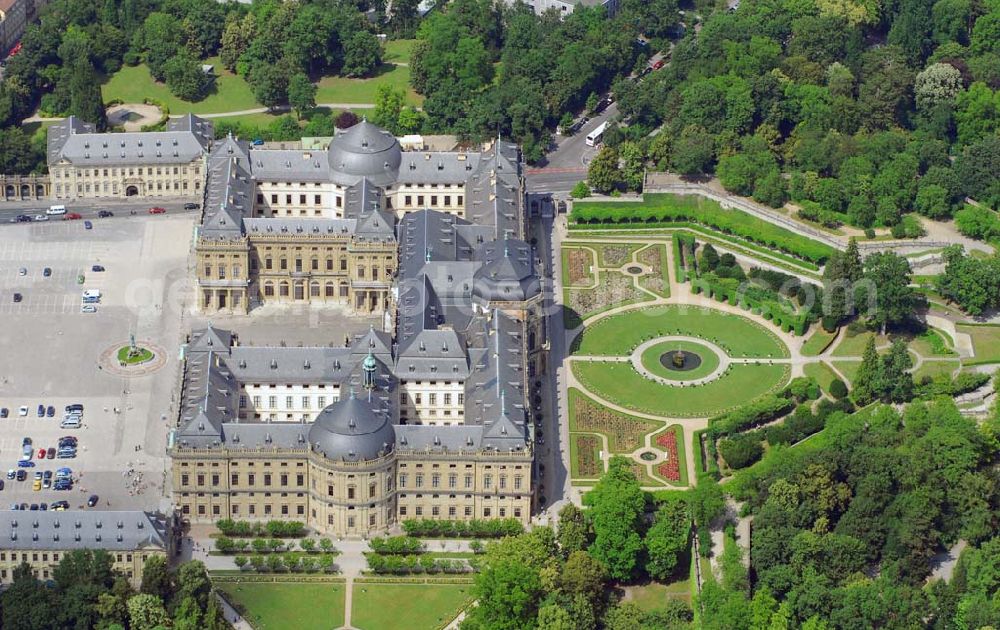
(41,539)
(320,226)
(86,164)
(429,420)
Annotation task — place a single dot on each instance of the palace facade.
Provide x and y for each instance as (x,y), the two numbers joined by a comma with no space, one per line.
(429,420)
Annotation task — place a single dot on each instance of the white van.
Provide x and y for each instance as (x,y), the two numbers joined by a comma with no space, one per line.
(56,210)
(92,293)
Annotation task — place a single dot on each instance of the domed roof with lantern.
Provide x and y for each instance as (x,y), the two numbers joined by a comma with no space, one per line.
(352,429)
(364,151)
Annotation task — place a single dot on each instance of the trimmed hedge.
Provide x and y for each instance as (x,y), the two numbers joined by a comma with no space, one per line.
(755,413)
(657,208)
(944,386)
(742,449)
(403,565)
(277,529)
(396,545)
(494,528)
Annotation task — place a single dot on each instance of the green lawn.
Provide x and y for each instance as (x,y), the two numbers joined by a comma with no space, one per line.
(934,368)
(345,90)
(621,384)
(985,341)
(619,334)
(822,373)
(654,595)
(132,84)
(398,50)
(652,360)
(848,368)
(854,345)
(406,606)
(817,342)
(279,605)
(142,355)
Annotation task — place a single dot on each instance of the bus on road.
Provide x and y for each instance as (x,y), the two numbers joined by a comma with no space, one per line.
(595,136)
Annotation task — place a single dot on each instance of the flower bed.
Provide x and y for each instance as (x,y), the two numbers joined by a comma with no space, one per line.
(624,433)
(579,266)
(670,469)
(587,464)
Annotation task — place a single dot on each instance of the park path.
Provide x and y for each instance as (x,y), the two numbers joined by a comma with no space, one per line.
(232,617)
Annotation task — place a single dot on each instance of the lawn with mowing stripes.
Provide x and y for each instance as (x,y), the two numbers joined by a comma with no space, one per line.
(619,383)
(619,334)
(279,605)
(407,606)
(817,342)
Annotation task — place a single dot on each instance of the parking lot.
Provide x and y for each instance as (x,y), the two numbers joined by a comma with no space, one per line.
(50,352)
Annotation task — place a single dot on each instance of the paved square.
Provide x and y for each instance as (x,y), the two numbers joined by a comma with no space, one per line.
(51,350)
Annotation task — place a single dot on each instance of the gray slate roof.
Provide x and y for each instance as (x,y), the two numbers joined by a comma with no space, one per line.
(77,143)
(70,530)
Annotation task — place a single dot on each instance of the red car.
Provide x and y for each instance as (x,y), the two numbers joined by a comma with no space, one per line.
(659,64)
(41,453)
(157,210)
(72,216)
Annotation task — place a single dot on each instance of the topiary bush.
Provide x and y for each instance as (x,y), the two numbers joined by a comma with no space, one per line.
(838,389)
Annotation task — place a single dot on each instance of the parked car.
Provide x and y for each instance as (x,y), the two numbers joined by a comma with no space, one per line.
(65,471)
(34,507)
(1,484)
(36,485)
(4,412)
(72,408)
(157,210)
(92,501)
(50,412)
(23,411)
(43,506)
(59,506)
(47,272)
(41,453)
(103,214)
(25,463)
(659,64)
(11,473)
(18,297)
(50,453)
(40,217)
(88,225)
(97,268)
(72,216)
(88,308)
(191,206)
(21,475)
(41,411)
(25,441)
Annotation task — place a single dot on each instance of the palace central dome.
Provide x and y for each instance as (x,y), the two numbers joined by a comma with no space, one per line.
(352,430)
(365,151)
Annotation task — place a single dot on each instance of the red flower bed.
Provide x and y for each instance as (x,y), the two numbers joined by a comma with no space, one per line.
(670,469)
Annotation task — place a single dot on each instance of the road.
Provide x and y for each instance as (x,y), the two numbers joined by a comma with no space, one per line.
(88,208)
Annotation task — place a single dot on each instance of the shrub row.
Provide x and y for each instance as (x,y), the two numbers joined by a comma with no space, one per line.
(276,563)
(671,208)
(224,544)
(944,386)
(401,565)
(496,528)
(276,529)
(742,449)
(795,323)
(396,545)
(752,414)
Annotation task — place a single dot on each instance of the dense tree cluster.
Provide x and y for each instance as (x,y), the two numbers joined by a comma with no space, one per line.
(86,593)
(560,580)
(547,66)
(844,530)
(972,283)
(873,109)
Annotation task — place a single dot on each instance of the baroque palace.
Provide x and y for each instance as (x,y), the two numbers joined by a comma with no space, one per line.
(432,420)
